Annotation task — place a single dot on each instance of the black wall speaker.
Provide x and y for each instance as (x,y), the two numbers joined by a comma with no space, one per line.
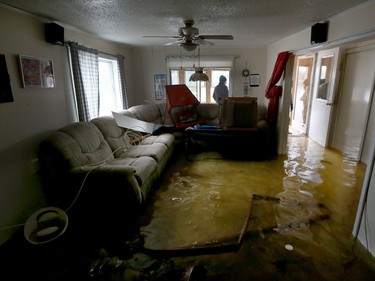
(54,33)
(319,33)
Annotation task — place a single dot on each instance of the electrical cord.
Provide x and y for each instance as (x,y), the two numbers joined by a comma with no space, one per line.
(128,134)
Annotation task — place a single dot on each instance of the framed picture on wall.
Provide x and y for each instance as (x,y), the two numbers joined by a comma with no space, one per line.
(160,80)
(254,80)
(36,72)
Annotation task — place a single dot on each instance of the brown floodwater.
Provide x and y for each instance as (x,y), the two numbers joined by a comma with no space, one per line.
(295,214)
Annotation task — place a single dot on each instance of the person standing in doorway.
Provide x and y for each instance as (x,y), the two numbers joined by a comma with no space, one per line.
(305,99)
(221,90)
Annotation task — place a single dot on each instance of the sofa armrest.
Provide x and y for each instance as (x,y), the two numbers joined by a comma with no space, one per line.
(105,168)
(107,198)
(107,176)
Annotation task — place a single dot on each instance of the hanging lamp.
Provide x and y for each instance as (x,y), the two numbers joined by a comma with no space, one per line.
(199,75)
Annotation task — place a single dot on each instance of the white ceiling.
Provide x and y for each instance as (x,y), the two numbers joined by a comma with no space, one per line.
(253,23)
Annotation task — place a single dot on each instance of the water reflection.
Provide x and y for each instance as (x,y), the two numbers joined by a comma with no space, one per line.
(306,199)
(297,203)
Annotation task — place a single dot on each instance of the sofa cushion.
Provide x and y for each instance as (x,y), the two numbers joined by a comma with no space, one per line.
(156,151)
(148,113)
(113,134)
(166,139)
(144,166)
(82,144)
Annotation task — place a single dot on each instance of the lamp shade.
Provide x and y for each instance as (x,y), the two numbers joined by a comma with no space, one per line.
(199,75)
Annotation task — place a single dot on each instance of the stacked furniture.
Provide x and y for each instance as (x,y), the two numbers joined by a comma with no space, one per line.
(240,132)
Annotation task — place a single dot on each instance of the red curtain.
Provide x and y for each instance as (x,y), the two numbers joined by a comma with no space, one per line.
(273,92)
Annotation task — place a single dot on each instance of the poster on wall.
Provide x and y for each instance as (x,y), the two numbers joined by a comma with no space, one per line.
(37,72)
(5,89)
(160,80)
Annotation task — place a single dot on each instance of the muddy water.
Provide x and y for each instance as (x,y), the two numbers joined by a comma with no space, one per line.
(302,207)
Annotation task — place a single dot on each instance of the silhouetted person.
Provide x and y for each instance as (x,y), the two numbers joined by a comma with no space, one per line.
(221,90)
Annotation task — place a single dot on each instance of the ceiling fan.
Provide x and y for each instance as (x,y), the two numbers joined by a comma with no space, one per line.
(188,37)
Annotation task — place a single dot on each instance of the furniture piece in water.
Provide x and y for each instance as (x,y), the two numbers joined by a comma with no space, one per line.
(238,112)
(239,134)
(239,143)
(101,173)
(182,106)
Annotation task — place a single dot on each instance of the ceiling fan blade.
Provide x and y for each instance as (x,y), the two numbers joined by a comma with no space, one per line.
(203,42)
(161,36)
(216,37)
(174,42)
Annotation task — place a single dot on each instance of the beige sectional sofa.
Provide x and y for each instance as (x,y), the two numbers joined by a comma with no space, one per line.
(157,113)
(100,170)
(99,178)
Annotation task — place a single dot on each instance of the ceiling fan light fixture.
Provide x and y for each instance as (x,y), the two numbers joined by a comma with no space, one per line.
(189,46)
(199,75)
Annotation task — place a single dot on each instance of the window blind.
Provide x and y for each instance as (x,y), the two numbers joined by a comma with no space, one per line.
(204,61)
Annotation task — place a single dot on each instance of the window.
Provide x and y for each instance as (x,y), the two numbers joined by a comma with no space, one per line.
(109,87)
(200,89)
(98,82)
(181,68)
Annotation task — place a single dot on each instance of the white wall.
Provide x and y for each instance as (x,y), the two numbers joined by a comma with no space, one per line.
(34,112)
(356,21)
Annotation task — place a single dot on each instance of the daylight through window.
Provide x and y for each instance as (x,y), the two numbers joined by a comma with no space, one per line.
(109,88)
(203,91)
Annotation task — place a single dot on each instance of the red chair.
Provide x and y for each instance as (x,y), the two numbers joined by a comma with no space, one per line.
(182,106)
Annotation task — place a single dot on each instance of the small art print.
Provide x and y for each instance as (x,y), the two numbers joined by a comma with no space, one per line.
(160,81)
(37,72)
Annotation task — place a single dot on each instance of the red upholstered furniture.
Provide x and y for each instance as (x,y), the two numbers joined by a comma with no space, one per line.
(182,106)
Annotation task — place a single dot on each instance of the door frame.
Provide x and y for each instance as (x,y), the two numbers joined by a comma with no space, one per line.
(302,127)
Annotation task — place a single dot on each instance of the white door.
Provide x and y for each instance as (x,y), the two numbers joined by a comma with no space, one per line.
(354,134)
(323,95)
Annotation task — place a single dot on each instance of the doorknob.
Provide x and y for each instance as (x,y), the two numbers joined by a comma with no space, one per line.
(329,103)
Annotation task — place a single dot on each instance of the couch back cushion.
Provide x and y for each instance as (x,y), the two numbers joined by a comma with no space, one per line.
(113,134)
(149,113)
(80,144)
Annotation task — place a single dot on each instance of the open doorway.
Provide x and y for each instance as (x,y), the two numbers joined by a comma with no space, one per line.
(302,81)
(352,130)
